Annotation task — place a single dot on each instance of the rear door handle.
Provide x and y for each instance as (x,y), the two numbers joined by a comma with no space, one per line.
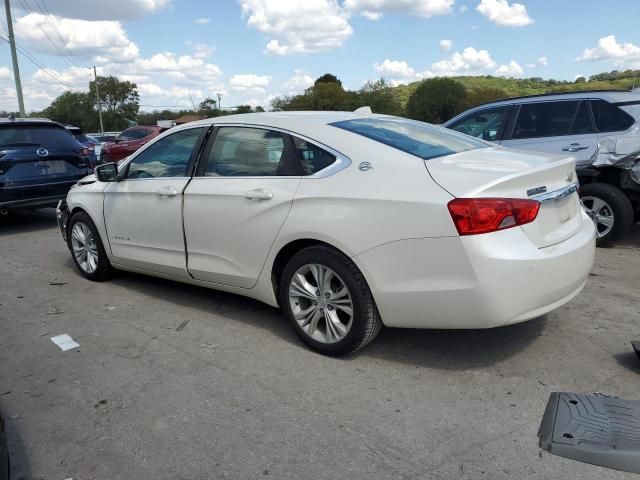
(259,194)
(574,147)
(167,192)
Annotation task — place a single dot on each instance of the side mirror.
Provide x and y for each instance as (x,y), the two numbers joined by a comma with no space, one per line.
(107,172)
(116,140)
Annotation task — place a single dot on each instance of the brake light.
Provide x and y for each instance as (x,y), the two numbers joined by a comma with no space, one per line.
(483,215)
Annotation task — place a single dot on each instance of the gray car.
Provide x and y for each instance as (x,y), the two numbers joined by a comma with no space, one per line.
(600,128)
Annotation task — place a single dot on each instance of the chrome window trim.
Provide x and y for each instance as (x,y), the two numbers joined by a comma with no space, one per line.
(342,161)
(556,194)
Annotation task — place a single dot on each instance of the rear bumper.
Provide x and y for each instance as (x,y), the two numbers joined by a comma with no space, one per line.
(43,194)
(479,281)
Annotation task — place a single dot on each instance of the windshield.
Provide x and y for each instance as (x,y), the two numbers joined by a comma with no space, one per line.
(417,138)
(36,135)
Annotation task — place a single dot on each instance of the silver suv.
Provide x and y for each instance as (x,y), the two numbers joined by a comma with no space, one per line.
(600,128)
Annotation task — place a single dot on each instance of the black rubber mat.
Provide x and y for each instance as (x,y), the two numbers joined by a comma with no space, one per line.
(595,429)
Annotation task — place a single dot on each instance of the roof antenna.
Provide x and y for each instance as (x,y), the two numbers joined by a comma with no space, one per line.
(363,111)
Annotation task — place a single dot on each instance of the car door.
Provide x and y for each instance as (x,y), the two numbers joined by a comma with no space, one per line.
(143,211)
(487,123)
(561,126)
(237,202)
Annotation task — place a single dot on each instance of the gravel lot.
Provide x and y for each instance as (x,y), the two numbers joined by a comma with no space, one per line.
(179,382)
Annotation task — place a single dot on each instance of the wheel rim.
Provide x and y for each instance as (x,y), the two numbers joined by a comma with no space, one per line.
(84,247)
(321,303)
(603,214)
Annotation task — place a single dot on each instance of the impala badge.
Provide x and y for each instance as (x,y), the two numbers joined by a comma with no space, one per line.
(536,191)
(569,177)
(364,166)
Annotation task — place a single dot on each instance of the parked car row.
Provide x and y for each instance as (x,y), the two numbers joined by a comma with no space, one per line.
(601,129)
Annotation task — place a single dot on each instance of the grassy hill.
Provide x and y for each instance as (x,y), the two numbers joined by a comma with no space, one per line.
(515,87)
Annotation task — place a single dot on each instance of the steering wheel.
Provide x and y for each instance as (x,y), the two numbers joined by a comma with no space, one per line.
(139,174)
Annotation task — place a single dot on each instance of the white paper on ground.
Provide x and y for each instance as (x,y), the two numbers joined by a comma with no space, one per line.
(65,342)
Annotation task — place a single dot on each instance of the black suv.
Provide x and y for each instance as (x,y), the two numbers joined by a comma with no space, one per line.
(39,161)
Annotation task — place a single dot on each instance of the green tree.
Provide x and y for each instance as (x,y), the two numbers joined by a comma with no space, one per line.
(328,78)
(483,95)
(75,108)
(209,108)
(380,96)
(120,101)
(243,109)
(436,100)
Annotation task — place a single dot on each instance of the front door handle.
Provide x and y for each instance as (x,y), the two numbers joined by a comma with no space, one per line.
(259,194)
(574,147)
(167,192)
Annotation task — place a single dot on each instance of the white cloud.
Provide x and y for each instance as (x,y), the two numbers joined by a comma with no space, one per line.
(102,40)
(202,50)
(5,72)
(608,48)
(421,8)
(250,82)
(399,72)
(371,15)
(468,62)
(298,82)
(202,20)
(503,14)
(463,8)
(512,69)
(298,27)
(542,61)
(446,45)
(104,10)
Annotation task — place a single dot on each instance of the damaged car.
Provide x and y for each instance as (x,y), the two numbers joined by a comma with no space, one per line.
(601,129)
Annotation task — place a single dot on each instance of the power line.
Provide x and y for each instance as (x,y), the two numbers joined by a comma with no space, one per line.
(50,19)
(35,61)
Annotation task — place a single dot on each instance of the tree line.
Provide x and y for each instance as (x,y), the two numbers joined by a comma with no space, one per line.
(433,100)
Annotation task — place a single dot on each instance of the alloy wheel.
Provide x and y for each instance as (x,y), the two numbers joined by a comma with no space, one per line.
(321,303)
(603,214)
(84,247)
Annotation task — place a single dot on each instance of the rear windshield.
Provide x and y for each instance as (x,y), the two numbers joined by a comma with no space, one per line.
(417,138)
(36,135)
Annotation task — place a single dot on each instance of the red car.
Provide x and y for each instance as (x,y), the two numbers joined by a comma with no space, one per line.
(128,142)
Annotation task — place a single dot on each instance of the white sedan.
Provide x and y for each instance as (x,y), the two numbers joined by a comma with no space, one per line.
(346,221)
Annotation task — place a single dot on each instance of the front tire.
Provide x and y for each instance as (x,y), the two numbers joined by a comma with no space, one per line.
(613,211)
(86,248)
(328,302)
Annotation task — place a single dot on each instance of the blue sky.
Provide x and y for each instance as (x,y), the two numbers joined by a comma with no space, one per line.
(251,50)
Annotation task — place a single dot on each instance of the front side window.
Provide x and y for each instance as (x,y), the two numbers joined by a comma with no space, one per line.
(250,152)
(312,157)
(545,119)
(417,138)
(609,118)
(168,157)
(486,124)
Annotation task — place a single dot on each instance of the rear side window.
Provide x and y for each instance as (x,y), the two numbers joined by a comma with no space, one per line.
(547,119)
(312,157)
(609,118)
(486,124)
(35,135)
(417,138)
(250,152)
(133,134)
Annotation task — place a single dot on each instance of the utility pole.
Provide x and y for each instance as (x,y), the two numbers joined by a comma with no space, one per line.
(95,74)
(219,101)
(14,57)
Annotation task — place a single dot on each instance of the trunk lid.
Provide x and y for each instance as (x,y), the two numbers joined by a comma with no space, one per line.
(506,173)
(23,166)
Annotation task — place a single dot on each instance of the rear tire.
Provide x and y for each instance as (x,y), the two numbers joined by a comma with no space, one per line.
(87,249)
(341,304)
(613,209)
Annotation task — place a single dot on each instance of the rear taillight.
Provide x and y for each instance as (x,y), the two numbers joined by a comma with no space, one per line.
(483,215)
